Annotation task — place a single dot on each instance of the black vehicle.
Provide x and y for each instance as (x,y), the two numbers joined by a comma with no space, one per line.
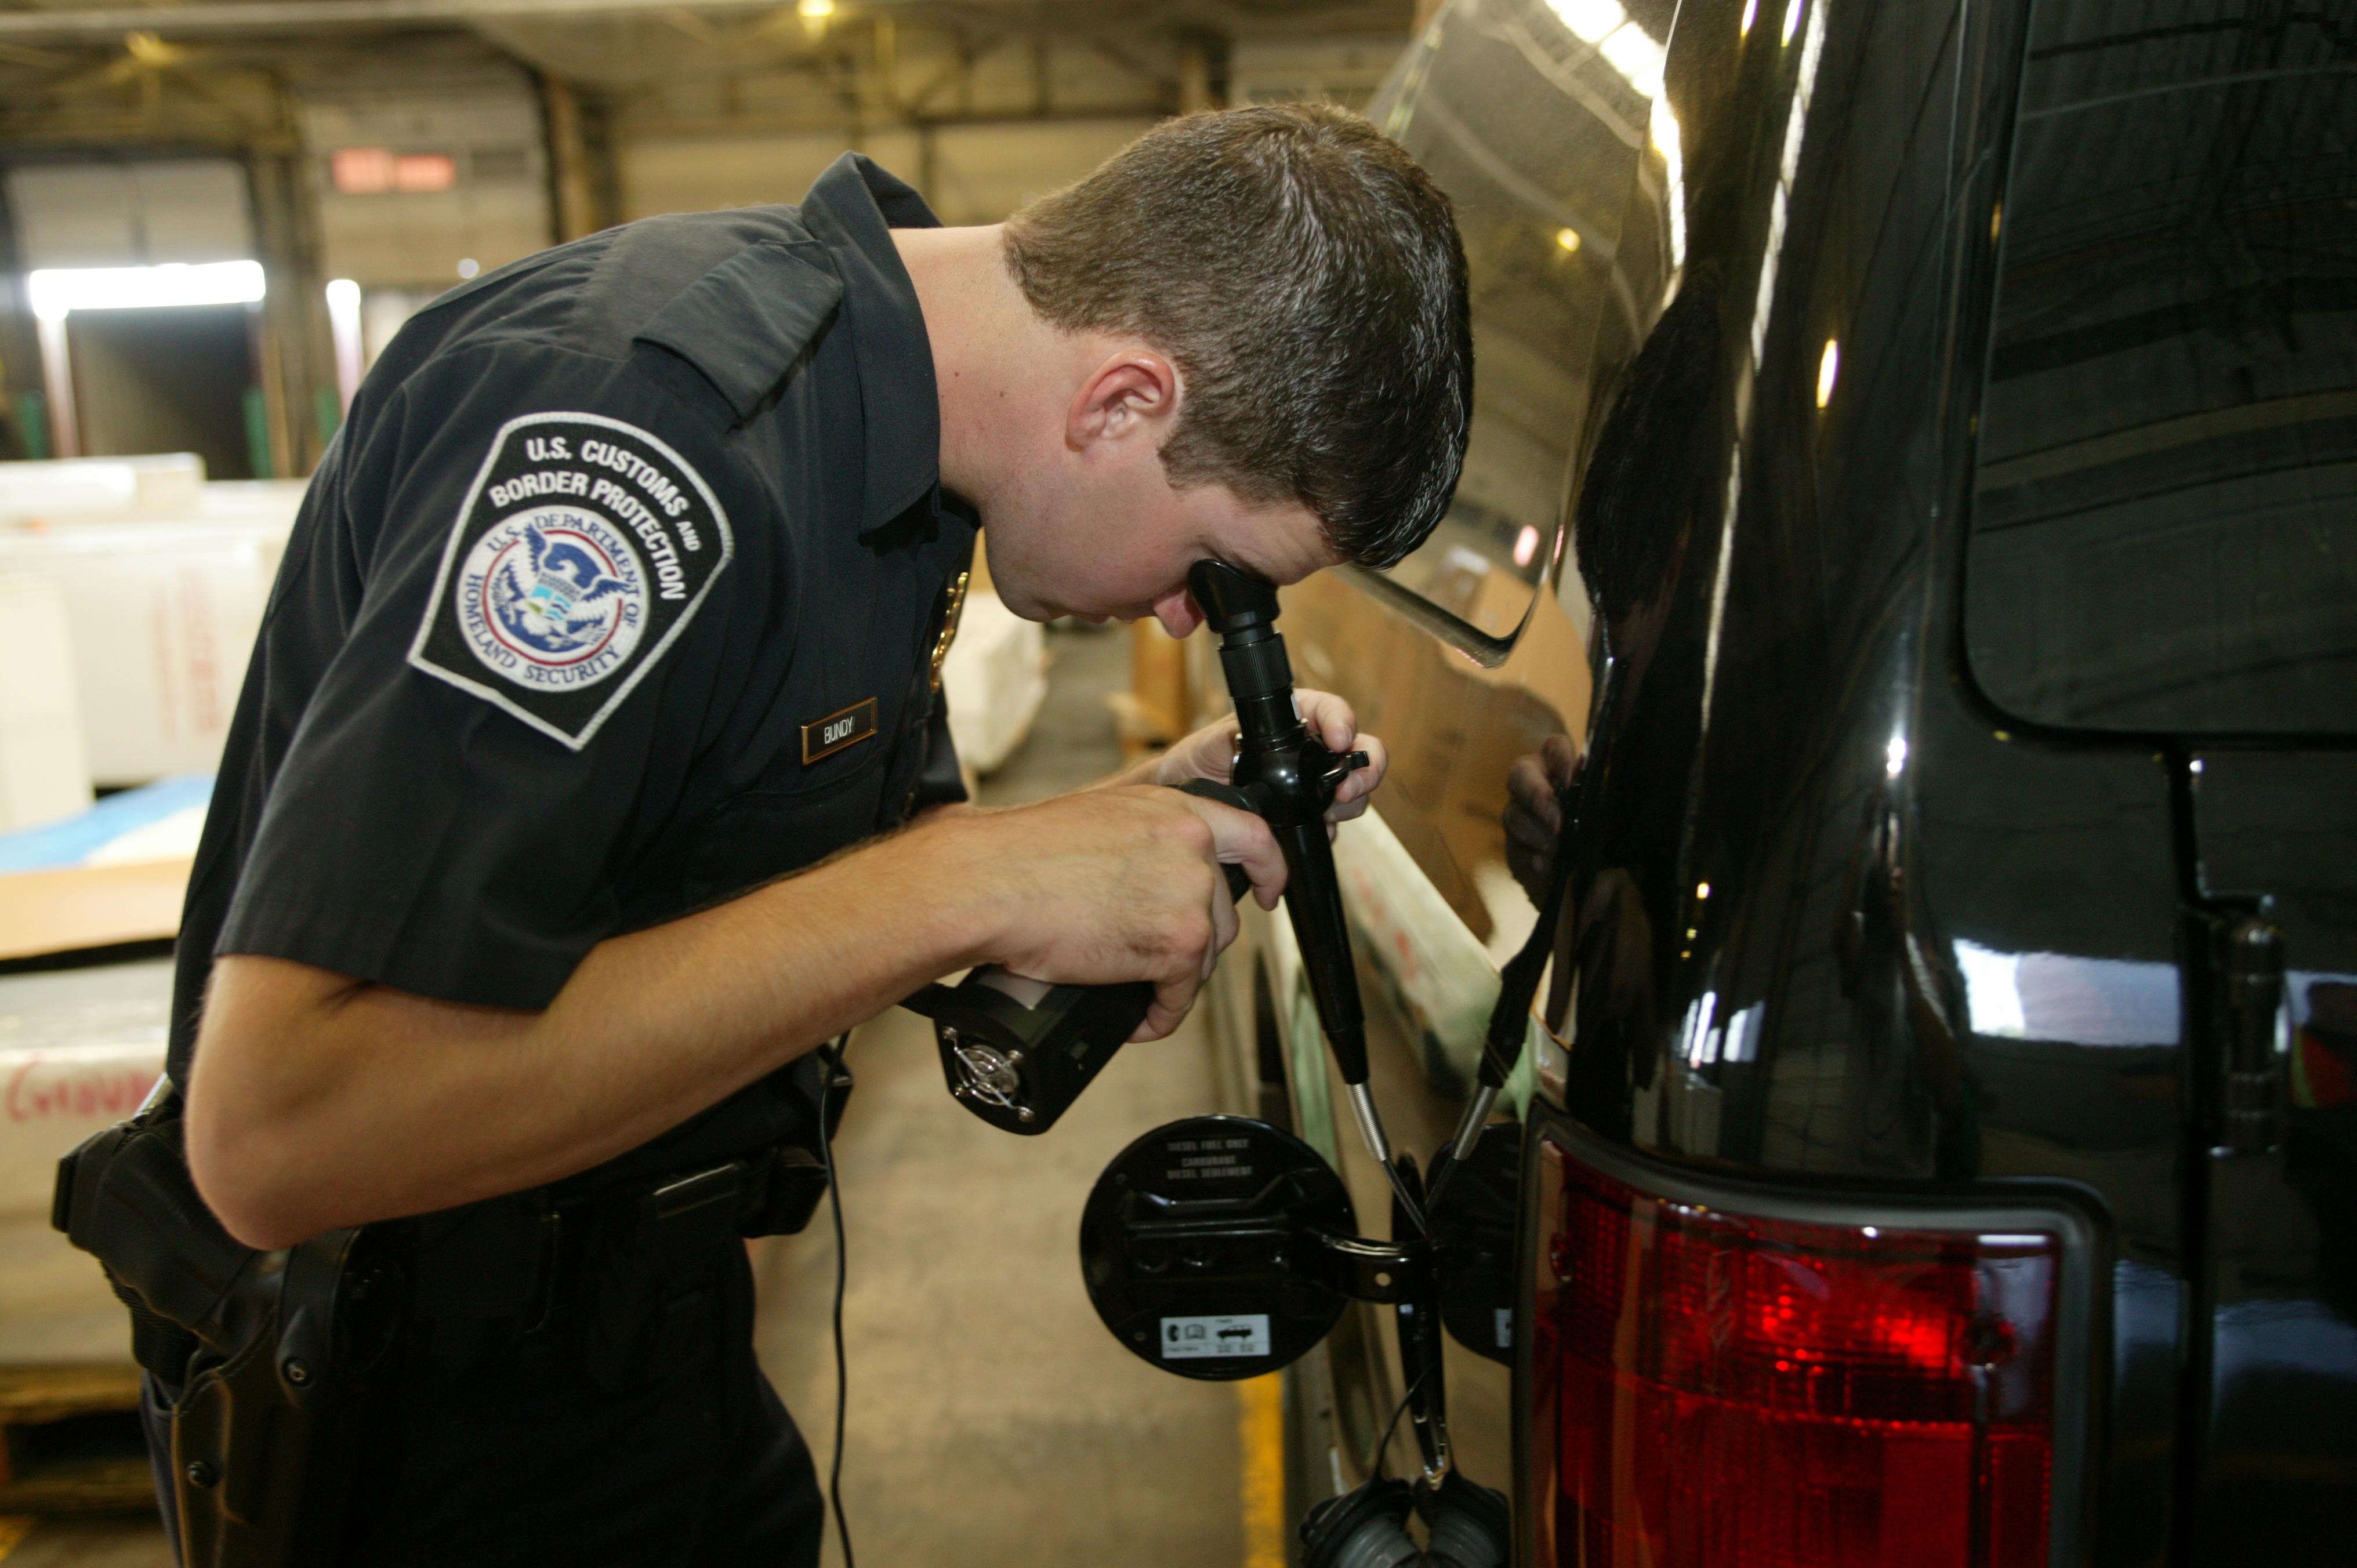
(1940,421)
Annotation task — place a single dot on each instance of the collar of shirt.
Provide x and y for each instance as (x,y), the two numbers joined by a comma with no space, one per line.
(852,211)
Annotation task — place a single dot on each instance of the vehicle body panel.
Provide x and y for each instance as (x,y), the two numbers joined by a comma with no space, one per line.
(1838,921)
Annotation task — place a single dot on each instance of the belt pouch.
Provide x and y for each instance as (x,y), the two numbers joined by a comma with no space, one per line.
(788,1183)
(652,1277)
(786,1180)
(481,1279)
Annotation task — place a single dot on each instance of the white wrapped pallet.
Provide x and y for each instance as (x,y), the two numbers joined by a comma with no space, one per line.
(79,1051)
(44,765)
(163,615)
(996,677)
(75,489)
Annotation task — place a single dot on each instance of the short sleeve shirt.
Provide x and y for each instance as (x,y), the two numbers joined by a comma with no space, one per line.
(619,592)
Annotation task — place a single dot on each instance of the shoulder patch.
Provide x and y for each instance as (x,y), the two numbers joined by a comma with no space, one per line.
(582,551)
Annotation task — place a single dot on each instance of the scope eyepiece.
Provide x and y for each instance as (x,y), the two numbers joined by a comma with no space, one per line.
(1233,602)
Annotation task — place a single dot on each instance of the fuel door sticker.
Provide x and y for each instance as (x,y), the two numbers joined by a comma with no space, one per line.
(1186,1338)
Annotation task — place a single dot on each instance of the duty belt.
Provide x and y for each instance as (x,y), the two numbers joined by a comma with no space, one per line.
(627,1271)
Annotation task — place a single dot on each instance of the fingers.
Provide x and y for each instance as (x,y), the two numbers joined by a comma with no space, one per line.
(1351,800)
(1209,753)
(1538,819)
(1225,924)
(1174,995)
(1561,760)
(1240,838)
(1329,718)
(1172,998)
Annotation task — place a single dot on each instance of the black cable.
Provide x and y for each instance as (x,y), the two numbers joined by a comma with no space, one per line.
(833,1057)
(1385,1447)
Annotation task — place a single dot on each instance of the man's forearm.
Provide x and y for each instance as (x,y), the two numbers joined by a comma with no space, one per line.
(320,1101)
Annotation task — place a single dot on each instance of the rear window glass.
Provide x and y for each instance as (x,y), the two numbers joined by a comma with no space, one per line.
(2164,533)
(1537,119)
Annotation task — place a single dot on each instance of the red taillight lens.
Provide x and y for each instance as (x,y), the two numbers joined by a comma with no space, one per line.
(1721,1390)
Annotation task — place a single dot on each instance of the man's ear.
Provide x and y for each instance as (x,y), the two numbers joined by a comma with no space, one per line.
(1134,393)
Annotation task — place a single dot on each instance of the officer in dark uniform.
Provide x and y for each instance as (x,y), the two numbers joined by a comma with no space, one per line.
(621,596)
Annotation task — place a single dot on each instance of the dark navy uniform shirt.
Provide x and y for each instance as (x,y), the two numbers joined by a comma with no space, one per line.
(618,593)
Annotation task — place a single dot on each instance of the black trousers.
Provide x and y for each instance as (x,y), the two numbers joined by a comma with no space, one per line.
(702,1470)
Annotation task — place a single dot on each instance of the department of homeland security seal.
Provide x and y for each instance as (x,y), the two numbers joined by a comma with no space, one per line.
(580,553)
(553,596)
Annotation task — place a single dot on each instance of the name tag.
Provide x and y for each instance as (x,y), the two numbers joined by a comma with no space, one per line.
(824,737)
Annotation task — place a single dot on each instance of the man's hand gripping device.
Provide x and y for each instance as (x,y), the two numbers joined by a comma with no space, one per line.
(1221,1248)
(1017,1052)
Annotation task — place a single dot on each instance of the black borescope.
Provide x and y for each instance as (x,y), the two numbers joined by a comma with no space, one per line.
(1017,1052)
(1218,1247)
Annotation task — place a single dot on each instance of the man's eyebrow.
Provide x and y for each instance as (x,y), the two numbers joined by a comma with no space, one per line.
(1260,569)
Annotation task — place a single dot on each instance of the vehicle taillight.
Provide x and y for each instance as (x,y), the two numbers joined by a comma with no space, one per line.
(1716,1389)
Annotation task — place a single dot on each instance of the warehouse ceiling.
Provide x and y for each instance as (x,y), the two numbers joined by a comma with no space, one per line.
(231,73)
(398,146)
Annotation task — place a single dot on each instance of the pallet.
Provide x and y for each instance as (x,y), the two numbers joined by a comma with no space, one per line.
(69,1441)
(67,907)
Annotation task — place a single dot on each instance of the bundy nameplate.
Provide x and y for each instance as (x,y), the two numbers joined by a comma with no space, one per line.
(846,727)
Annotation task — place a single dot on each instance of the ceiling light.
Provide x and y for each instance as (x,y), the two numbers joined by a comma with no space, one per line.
(1568,238)
(53,291)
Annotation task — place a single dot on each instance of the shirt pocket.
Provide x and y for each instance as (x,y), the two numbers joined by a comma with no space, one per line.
(768,831)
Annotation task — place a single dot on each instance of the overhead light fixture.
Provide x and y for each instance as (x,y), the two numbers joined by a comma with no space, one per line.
(344,333)
(468,266)
(1568,238)
(817,10)
(54,291)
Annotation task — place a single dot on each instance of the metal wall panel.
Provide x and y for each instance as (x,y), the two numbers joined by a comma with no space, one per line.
(129,214)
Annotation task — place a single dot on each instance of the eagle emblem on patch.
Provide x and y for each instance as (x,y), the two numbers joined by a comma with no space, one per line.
(582,551)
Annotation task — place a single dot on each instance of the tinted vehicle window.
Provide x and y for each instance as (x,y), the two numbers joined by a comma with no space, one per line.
(1538,120)
(2164,535)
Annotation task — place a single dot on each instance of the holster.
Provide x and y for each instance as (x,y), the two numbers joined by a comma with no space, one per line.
(271,1351)
(274,1353)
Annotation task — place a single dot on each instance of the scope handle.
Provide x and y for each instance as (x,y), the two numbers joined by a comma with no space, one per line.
(1017,1052)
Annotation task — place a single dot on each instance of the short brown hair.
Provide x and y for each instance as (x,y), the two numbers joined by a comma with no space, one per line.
(1306,279)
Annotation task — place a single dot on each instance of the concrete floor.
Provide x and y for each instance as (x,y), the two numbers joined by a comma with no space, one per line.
(83,1544)
(992,1420)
